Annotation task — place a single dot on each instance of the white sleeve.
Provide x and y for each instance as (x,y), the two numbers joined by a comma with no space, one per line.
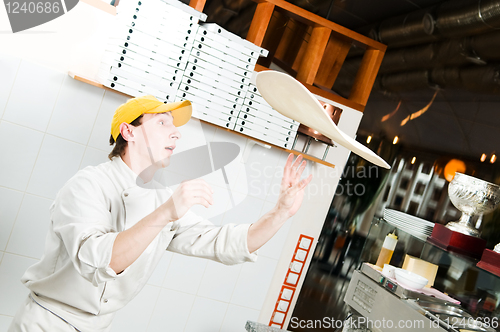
(82,221)
(196,236)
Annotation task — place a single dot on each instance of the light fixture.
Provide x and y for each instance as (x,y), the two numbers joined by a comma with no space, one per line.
(413,160)
(395,140)
(316,132)
(493,158)
(483,157)
(368,139)
(454,165)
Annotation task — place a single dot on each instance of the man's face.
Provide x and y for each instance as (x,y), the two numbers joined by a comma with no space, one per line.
(156,137)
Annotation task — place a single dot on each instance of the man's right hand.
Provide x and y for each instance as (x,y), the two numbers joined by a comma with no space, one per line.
(187,194)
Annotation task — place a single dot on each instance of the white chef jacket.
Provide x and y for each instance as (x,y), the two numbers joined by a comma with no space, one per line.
(73,279)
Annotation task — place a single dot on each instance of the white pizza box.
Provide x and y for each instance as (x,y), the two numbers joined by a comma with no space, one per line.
(165,19)
(157,61)
(212,27)
(135,90)
(266,126)
(246,113)
(231,72)
(272,115)
(253,103)
(257,98)
(177,38)
(240,61)
(207,93)
(170,50)
(212,108)
(211,38)
(212,85)
(204,94)
(220,90)
(286,127)
(235,75)
(211,47)
(167,28)
(265,110)
(146,79)
(139,37)
(178,61)
(245,71)
(210,113)
(139,71)
(160,14)
(121,88)
(139,92)
(204,76)
(143,82)
(215,111)
(217,58)
(155,7)
(219,41)
(223,63)
(234,107)
(186,8)
(231,49)
(149,42)
(157,67)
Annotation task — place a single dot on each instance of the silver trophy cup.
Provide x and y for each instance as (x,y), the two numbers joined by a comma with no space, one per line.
(471,196)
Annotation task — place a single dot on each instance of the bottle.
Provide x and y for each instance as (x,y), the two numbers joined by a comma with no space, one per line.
(387,249)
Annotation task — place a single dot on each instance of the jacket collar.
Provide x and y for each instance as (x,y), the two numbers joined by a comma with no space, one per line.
(128,178)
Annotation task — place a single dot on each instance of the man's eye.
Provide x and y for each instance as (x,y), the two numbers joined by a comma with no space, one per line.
(161,122)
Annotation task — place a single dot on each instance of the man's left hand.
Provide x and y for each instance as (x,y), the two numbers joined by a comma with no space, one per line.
(292,188)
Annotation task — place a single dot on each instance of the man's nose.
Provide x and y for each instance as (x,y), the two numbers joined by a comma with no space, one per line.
(176,133)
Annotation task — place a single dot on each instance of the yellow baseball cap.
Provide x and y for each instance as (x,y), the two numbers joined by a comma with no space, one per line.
(135,107)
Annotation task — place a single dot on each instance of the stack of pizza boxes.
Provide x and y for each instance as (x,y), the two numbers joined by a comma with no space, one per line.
(218,74)
(258,119)
(149,49)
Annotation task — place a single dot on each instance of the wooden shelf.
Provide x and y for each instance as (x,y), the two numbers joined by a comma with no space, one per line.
(313,49)
(305,156)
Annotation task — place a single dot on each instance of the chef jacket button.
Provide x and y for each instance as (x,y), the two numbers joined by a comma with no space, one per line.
(105,300)
(125,194)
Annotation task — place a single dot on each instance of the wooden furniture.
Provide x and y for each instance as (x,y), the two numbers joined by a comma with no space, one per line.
(312,49)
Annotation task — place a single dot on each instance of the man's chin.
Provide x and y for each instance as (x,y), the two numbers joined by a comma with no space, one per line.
(164,162)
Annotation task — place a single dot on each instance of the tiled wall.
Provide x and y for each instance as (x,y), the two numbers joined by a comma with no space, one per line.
(50,127)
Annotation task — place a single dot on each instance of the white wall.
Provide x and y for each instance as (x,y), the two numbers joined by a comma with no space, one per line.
(51,126)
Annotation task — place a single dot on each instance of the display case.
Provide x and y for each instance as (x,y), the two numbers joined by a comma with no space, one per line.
(457,276)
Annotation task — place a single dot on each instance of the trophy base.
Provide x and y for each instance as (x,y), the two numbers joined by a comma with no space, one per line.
(457,242)
(466,229)
(490,261)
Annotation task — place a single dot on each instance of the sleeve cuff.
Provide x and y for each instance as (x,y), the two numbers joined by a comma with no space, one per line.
(99,246)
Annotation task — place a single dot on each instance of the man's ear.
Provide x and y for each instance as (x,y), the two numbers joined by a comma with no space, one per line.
(126,130)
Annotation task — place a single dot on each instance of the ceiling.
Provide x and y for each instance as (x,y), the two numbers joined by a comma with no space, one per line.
(461,121)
